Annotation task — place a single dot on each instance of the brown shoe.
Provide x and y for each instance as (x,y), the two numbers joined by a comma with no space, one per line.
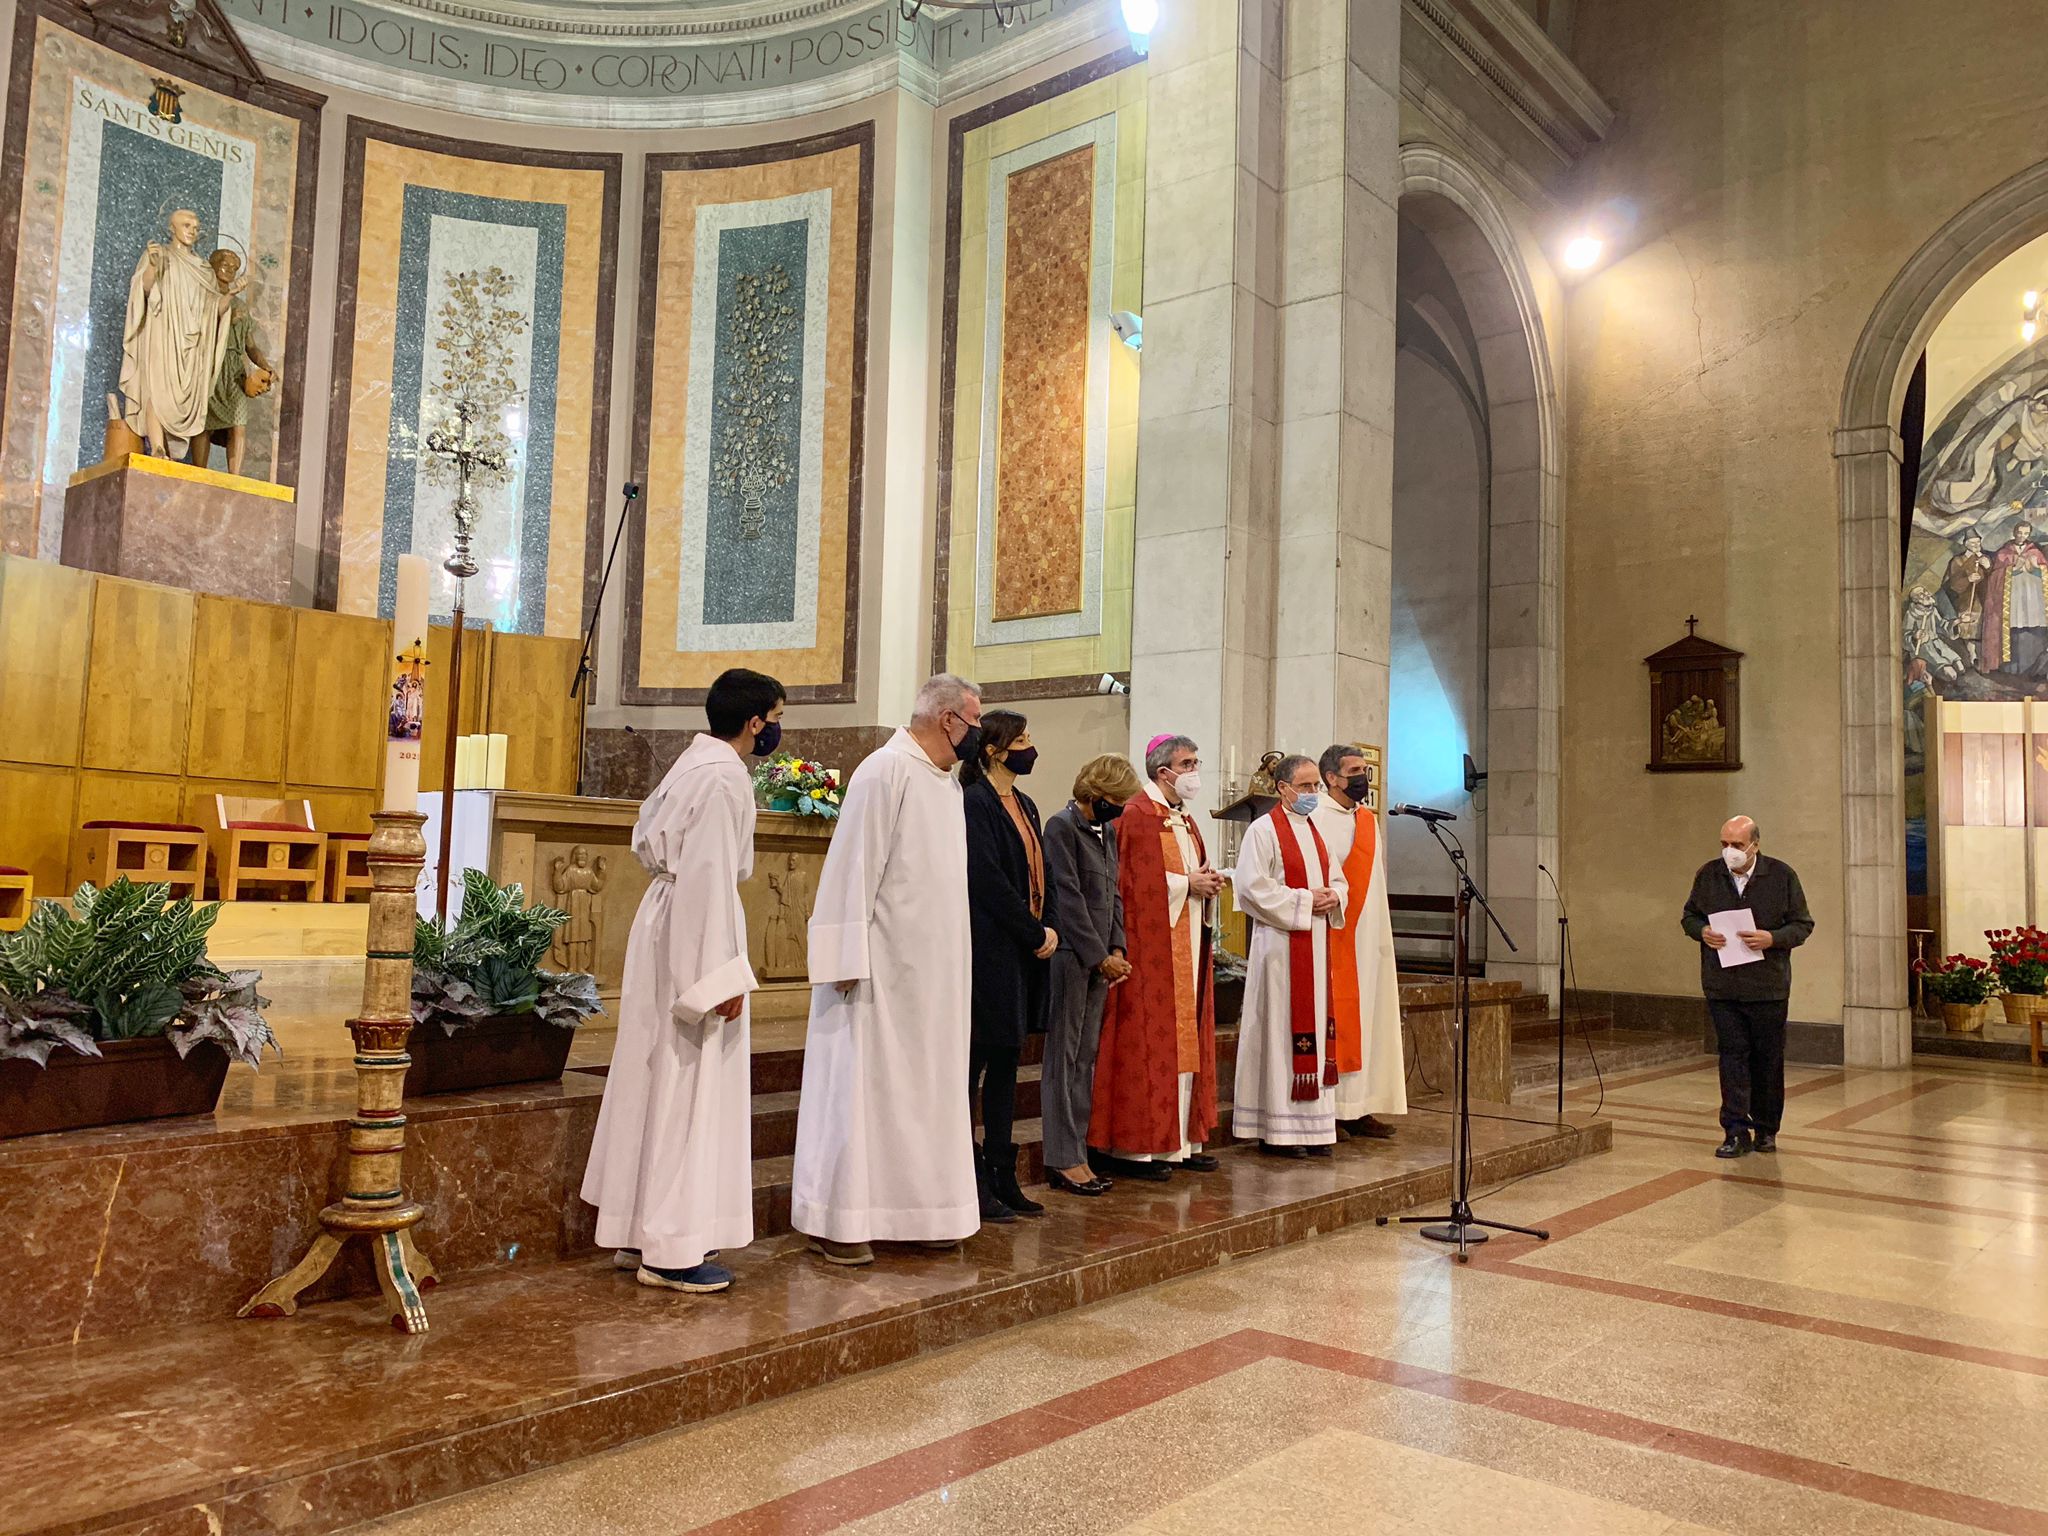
(849,1254)
(938,1244)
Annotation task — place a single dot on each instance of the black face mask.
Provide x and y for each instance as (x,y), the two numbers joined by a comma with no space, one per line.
(1107,811)
(768,738)
(1357,788)
(967,746)
(1021,760)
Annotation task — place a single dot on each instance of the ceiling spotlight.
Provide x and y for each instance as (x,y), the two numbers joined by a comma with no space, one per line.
(2027,331)
(2030,301)
(1582,253)
(1140,17)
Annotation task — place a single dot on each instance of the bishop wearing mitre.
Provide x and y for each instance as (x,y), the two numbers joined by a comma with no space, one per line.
(173,340)
(1293,892)
(884,1147)
(1365,983)
(671,1168)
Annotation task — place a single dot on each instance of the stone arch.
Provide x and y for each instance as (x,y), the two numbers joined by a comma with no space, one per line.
(1472,233)
(1877,1028)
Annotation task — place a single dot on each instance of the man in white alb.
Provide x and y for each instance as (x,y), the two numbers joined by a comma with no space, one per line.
(884,1148)
(671,1168)
(1365,985)
(1293,893)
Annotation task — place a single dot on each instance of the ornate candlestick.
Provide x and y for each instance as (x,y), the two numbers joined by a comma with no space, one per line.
(373,1203)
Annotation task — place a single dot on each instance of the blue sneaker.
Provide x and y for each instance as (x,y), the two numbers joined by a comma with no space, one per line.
(701,1281)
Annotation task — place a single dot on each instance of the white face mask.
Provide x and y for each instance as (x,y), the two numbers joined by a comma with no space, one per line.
(1188,785)
(1734,858)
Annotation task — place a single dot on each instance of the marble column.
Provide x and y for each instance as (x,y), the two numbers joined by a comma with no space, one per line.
(1333,513)
(1202,615)
(1265,437)
(1877,1023)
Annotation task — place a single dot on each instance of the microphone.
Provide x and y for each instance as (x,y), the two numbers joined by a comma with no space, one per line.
(1424,813)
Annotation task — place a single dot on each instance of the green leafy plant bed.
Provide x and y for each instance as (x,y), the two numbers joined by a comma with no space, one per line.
(485,1012)
(111,1012)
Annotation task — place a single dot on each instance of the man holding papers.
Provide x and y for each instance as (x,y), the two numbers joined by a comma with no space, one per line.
(1748,914)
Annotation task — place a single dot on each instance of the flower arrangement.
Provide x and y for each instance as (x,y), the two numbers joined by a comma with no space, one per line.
(125,963)
(1961,979)
(787,783)
(2020,956)
(489,964)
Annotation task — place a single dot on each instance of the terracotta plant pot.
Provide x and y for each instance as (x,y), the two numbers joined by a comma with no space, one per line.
(1963,1018)
(131,1080)
(2021,1007)
(520,1048)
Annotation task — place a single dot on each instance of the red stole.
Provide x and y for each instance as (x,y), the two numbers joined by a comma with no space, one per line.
(1302,1003)
(1345,1002)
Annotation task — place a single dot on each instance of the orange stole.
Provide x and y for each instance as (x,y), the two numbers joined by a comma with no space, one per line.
(1365,838)
(1186,1033)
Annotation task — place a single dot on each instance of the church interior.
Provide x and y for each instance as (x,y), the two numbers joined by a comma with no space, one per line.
(1610,426)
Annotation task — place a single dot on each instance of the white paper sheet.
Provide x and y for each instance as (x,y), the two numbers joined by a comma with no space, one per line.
(1739,921)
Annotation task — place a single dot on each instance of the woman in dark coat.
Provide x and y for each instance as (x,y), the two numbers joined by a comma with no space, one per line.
(1010,914)
(1080,861)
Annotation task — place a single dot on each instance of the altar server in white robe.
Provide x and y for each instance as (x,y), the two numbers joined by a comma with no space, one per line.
(1293,893)
(1365,984)
(884,1150)
(671,1168)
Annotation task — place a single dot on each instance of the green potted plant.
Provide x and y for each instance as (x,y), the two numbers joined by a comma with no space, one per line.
(2020,956)
(790,784)
(111,1012)
(1963,985)
(484,1010)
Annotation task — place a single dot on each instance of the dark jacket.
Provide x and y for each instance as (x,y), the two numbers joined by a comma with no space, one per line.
(1775,900)
(1080,866)
(1009,979)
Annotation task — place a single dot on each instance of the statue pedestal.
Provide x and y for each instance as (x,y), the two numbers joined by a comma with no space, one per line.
(176,524)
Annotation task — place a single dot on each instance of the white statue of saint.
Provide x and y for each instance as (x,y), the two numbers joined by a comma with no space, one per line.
(176,335)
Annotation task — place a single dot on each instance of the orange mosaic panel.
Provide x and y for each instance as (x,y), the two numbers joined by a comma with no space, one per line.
(1041,452)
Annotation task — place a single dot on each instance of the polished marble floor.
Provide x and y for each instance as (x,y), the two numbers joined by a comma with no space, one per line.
(1850,1336)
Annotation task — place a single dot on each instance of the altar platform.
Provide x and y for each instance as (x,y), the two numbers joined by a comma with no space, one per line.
(310,1424)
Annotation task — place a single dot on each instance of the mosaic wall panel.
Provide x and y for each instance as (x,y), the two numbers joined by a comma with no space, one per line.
(497,291)
(745,545)
(1038,423)
(101,158)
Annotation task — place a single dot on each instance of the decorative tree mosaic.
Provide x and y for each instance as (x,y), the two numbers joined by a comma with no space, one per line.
(473,334)
(756,450)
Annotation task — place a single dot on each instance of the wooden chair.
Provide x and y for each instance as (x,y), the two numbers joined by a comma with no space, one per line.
(173,852)
(348,866)
(270,845)
(17,896)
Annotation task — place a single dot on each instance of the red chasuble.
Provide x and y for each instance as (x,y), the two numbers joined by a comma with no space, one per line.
(1138,1067)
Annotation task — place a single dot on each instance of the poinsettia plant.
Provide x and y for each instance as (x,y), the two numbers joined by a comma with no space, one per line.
(815,787)
(124,963)
(1958,979)
(2020,956)
(488,965)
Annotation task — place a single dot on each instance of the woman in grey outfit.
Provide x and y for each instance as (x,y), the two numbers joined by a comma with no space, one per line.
(1080,863)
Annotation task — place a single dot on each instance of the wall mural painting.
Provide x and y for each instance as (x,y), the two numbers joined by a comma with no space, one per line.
(110,144)
(1974,621)
(745,542)
(493,303)
(1046,242)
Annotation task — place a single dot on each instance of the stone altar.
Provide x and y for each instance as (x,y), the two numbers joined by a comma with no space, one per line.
(158,520)
(575,852)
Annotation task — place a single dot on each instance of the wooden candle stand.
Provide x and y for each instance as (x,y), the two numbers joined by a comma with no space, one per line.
(373,1204)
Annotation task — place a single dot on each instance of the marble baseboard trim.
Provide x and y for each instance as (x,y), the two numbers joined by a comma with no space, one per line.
(1807,1041)
(510,1409)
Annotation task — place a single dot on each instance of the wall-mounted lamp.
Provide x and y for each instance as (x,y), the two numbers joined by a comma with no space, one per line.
(1109,687)
(1130,330)
(1140,17)
(1582,253)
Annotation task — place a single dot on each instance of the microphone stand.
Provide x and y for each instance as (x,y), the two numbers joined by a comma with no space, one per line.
(1564,926)
(1460,1226)
(630,493)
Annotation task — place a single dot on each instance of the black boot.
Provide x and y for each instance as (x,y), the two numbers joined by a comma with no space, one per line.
(992,1207)
(1002,1165)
